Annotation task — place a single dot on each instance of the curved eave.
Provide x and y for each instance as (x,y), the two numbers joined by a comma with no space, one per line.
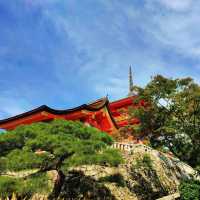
(111,116)
(94,106)
(122,102)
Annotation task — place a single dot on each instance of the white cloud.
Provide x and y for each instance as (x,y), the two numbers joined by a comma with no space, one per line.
(176,30)
(176,5)
(111,46)
(112,37)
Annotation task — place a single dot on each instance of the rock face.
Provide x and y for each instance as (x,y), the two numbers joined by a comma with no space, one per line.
(145,174)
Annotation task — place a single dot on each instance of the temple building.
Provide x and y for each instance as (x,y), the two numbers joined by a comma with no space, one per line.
(102,114)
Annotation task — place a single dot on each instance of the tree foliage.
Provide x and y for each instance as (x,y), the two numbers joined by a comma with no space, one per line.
(190,190)
(57,145)
(24,187)
(171,116)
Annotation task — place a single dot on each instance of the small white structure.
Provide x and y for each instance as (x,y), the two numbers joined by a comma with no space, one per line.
(123,146)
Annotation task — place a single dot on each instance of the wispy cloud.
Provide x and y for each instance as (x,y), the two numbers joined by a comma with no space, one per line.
(133,35)
(178,30)
(176,5)
(11,106)
(63,50)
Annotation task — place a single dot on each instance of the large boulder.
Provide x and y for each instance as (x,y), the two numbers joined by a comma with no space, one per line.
(145,174)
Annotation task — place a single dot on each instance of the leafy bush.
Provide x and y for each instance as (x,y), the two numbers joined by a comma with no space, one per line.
(190,190)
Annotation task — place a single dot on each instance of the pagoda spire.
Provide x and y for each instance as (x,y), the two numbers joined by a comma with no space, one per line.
(130,82)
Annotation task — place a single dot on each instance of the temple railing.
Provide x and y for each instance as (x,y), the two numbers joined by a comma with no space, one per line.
(123,146)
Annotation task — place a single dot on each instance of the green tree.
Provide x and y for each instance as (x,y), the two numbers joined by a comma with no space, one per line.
(171,116)
(190,190)
(57,145)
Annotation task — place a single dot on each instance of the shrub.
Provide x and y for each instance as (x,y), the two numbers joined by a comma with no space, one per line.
(190,190)
(145,162)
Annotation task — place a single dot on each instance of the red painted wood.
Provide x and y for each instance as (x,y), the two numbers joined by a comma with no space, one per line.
(99,119)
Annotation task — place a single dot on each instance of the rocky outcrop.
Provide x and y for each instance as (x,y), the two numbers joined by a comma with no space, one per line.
(146,174)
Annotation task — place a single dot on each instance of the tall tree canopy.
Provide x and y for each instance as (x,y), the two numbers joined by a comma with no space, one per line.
(171,116)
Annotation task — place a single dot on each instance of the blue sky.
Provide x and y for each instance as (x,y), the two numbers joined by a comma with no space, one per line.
(66,53)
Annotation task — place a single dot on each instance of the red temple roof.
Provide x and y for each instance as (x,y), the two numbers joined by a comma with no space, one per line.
(101,114)
(94,106)
(90,113)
